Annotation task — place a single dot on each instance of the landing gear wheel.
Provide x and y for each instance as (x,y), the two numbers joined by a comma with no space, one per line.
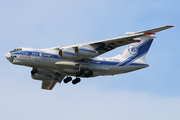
(34,70)
(79,73)
(88,74)
(75,81)
(68,79)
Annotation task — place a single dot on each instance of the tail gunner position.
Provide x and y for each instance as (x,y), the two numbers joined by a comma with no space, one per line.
(55,64)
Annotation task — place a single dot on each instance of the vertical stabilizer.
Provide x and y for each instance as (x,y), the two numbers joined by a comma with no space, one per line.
(136,51)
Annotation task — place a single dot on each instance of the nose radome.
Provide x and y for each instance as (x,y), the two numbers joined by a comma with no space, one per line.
(8,55)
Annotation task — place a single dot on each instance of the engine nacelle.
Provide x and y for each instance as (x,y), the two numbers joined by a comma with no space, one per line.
(42,71)
(68,54)
(85,52)
(38,76)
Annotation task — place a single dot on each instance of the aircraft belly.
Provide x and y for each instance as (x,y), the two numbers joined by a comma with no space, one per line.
(41,63)
(125,69)
(26,60)
(112,70)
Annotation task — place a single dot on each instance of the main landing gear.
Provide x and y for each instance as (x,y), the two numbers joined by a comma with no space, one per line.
(88,74)
(79,73)
(68,79)
(77,79)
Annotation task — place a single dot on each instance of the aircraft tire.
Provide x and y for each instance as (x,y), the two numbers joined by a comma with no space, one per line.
(34,70)
(88,74)
(75,81)
(79,73)
(68,79)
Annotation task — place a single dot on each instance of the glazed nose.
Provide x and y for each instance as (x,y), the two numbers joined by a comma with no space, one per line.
(8,55)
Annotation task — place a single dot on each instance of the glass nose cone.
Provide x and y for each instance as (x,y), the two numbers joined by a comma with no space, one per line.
(8,55)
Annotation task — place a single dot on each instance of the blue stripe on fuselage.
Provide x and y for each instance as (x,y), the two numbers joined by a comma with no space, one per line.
(142,49)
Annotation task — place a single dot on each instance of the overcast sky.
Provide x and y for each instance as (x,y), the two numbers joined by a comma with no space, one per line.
(147,94)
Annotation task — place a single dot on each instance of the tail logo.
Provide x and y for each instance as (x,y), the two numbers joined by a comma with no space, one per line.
(132,49)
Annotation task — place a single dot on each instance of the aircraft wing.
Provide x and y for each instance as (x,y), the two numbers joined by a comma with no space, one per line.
(108,44)
(48,84)
(49,78)
(99,47)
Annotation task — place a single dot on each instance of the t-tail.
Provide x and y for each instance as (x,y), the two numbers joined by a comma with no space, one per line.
(135,53)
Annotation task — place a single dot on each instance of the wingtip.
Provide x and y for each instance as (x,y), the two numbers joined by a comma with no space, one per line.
(169,26)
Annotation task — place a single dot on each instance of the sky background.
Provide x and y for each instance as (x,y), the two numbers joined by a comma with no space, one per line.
(147,94)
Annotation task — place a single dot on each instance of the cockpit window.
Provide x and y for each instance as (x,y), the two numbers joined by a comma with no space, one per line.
(16,49)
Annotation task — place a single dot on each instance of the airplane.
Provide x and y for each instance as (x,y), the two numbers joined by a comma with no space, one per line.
(58,64)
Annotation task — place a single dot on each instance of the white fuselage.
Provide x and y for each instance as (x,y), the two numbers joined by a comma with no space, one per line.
(48,59)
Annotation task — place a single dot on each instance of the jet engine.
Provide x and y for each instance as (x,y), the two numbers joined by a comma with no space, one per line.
(42,71)
(85,52)
(38,76)
(68,54)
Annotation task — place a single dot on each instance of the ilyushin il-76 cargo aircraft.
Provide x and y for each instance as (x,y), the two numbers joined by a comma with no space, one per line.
(58,64)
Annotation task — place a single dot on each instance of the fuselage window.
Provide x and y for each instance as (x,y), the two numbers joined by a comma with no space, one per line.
(16,49)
